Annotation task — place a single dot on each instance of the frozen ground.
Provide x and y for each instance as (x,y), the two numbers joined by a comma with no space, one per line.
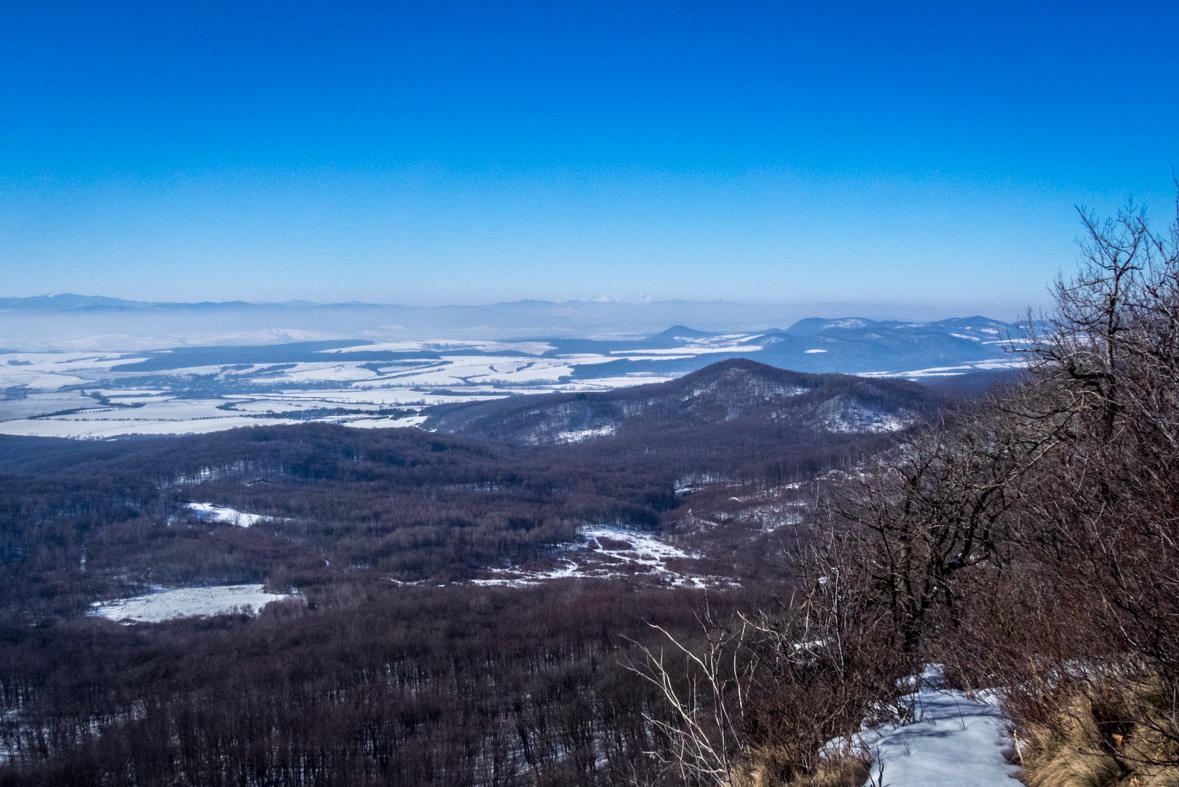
(186,603)
(957,739)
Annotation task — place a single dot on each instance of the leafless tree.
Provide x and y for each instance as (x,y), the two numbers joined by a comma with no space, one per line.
(758,700)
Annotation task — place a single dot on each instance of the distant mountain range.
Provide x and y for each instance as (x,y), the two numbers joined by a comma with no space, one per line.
(109,372)
(77,322)
(737,396)
(365,383)
(67,302)
(847,346)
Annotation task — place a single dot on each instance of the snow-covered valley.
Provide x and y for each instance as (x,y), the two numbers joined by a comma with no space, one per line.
(194,390)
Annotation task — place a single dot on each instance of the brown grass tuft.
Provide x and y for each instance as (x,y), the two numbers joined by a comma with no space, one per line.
(763,768)
(1103,735)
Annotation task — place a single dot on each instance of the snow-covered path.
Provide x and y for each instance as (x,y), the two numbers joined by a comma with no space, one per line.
(957,740)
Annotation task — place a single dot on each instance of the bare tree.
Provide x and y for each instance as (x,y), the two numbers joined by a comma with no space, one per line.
(760,699)
(1093,528)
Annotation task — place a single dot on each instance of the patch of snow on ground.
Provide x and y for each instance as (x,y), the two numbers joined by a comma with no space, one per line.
(644,548)
(100,429)
(384,423)
(845,416)
(628,553)
(211,513)
(186,603)
(584,434)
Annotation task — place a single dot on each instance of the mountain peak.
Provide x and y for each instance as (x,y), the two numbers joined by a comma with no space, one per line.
(680,332)
(764,398)
(813,325)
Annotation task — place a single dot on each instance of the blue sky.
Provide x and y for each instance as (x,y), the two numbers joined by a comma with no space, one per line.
(432,153)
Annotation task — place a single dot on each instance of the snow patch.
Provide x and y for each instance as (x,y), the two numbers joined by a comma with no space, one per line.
(613,553)
(643,548)
(210,513)
(846,416)
(584,434)
(177,603)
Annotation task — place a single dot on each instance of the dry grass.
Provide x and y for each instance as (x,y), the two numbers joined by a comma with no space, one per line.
(763,768)
(1104,735)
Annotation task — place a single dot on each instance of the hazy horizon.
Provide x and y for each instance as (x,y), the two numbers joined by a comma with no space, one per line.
(478,153)
(85,323)
(902,310)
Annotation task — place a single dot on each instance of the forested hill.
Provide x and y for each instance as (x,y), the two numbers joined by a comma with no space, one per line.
(741,394)
(412,504)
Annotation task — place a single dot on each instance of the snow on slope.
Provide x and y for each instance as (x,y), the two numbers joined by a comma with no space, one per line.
(185,603)
(844,415)
(613,552)
(211,513)
(576,436)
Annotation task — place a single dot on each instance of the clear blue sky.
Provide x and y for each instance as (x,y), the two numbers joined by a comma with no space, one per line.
(434,152)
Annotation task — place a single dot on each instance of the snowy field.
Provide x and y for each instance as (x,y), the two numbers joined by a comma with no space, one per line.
(79,395)
(95,396)
(51,371)
(995,365)
(186,603)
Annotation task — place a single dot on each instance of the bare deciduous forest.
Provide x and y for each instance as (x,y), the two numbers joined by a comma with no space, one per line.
(390,666)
